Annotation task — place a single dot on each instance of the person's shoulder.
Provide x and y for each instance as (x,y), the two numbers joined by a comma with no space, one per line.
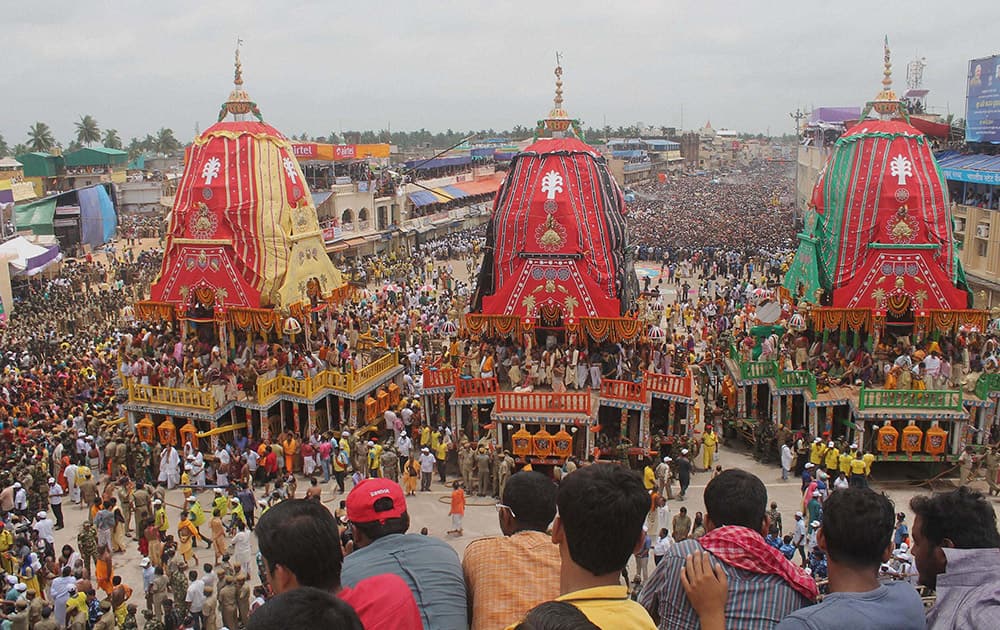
(484,546)
(683,549)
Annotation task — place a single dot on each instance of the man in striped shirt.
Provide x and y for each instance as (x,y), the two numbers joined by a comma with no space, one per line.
(763,586)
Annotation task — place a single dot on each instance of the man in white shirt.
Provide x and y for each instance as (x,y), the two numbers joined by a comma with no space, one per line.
(195,599)
(74,492)
(390,422)
(198,469)
(55,501)
(20,498)
(786,460)
(404,445)
(222,467)
(46,532)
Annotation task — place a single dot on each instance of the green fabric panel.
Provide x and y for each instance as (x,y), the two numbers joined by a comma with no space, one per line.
(36,216)
(804,271)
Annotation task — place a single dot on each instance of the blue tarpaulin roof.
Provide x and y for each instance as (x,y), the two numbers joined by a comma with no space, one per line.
(453,192)
(975,168)
(628,155)
(441,162)
(423,198)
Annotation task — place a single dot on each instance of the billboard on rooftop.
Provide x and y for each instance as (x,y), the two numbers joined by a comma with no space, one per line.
(982,112)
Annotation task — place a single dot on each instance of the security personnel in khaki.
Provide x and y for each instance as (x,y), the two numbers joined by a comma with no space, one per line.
(19,618)
(243,598)
(107,620)
(227,602)
(210,610)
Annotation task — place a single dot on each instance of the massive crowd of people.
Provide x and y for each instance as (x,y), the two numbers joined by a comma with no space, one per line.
(568,540)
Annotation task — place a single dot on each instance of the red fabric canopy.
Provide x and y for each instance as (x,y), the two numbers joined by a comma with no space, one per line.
(557,237)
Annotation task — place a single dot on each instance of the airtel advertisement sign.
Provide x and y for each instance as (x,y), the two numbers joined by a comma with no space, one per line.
(304,151)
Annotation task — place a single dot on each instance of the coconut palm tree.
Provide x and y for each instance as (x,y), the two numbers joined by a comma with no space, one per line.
(20,149)
(111,139)
(40,137)
(87,131)
(165,141)
(4,149)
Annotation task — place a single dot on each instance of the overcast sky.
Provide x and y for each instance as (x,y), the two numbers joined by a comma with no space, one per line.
(321,66)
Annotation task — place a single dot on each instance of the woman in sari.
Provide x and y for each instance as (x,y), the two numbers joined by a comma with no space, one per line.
(103,570)
(154,546)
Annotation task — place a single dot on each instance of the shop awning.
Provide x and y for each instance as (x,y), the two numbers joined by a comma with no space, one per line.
(333,248)
(488,185)
(451,192)
(423,198)
(354,242)
(974,168)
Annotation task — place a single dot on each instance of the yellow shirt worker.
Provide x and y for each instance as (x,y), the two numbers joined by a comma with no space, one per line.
(816,452)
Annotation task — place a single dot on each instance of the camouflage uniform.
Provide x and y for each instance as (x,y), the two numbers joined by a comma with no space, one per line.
(178,590)
(87,544)
(152,623)
(131,623)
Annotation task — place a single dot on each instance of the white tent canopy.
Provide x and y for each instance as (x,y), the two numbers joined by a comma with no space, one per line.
(20,251)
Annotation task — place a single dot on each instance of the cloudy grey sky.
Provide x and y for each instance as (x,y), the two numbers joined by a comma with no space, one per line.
(320,66)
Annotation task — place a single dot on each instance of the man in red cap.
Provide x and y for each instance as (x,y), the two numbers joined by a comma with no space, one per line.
(376,509)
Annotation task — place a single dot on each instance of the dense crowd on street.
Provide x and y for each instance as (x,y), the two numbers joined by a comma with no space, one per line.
(236,533)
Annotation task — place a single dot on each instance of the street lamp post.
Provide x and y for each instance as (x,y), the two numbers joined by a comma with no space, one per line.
(797,116)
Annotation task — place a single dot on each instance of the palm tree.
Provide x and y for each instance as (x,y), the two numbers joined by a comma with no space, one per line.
(4,149)
(40,137)
(20,149)
(165,141)
(87,131)
(111,139)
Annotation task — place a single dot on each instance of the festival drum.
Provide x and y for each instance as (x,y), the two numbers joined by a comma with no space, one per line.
(167,432)
(145,429)
(541,443)
(913,438)
(189,435)
(562,443)
(521,443)
(937,440)
(888,439)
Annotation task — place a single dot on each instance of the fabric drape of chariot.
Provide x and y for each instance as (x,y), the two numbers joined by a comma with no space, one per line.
(595,205)
(853,187)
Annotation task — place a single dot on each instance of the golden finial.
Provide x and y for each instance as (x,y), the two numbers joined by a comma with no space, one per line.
(239,102)
(558,120)
(558,99)
(238,79)
(886,102)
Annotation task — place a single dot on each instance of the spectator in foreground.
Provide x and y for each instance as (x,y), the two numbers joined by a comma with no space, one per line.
(956,548)
(508,575)
(376,509)
(856,536)
(304,608)
(764,587)
(556,616)
(601,510)
(300,546)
